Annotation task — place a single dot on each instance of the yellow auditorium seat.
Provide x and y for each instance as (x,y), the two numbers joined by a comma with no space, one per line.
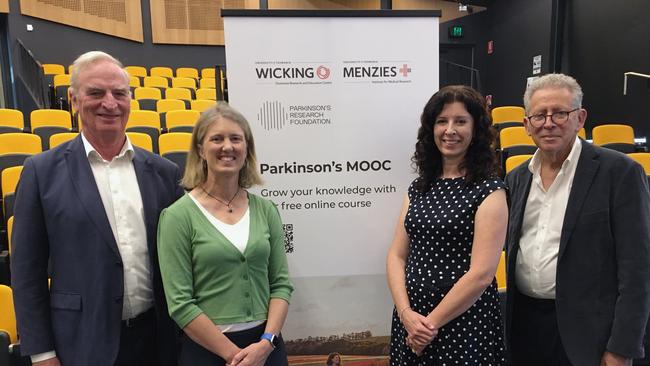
(181,121)
(10,225)
(614,136)
(178,93)
(582,133)
(515,141)
(16,147)
(187,72)
(61,85)
(134,82)
(206,94)
(70,69)
(147,122)
(175,146)
(59,138)
(156,82)
(515,136)
(138,71)
(141,140)
(208,72)
(147,93)
(53,69)
(10,177)
(514,161)
(165,72)
(642,158)
(208,83)
(48,122)
(166,105)
(501,272)
(202,104)
(135,105)
(184,83)
(11,120)
(507,114)
(8,313)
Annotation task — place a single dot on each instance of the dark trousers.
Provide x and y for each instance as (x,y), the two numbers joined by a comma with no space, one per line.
(193,354)
(138,341)
(535,338)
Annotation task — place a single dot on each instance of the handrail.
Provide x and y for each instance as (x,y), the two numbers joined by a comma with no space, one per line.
(631,73)
(472,72)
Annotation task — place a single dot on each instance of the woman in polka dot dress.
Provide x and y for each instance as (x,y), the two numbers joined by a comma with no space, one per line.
(448,240)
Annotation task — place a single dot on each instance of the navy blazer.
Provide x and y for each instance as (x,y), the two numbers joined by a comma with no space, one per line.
(603,266)
(59,218)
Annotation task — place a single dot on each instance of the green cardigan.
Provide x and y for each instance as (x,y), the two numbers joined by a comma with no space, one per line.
(203,272)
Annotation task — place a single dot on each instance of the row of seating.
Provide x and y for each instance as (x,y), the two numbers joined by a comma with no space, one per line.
(513,116)
(642,158)
(162,115)
(141,71)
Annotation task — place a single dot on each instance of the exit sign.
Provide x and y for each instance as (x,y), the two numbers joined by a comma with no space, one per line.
(456,31)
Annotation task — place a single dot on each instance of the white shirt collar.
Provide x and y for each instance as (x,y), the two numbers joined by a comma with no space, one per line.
(572,159)
(127,149)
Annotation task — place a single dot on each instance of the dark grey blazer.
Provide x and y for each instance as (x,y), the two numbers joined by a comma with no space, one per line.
(59,217)
(603,266)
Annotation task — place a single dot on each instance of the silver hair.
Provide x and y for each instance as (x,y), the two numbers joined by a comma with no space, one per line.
(554,81)
(87,59)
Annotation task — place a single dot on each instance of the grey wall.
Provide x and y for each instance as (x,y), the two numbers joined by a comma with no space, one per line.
(606,39)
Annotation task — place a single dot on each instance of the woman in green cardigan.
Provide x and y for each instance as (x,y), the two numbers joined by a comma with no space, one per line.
(221,252)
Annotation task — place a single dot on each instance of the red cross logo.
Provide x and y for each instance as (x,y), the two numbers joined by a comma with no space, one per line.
(405,70)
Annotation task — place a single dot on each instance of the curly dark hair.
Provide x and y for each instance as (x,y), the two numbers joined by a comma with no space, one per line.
(480,160)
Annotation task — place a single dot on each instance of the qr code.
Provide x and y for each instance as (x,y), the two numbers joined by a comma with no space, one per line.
(288,237)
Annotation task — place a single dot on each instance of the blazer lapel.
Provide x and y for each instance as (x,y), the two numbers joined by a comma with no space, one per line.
(83,181)
(585,172)
(143,173)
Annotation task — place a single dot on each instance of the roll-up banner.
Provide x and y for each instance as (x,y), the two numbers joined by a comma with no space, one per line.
(334,100)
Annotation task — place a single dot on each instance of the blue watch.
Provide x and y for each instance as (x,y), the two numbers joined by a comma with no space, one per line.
(272,338)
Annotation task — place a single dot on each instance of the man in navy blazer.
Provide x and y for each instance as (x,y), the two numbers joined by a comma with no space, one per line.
(88,209)
(578,241)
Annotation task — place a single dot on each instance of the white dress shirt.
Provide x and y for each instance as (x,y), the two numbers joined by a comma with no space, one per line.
(541,229)
(120,194)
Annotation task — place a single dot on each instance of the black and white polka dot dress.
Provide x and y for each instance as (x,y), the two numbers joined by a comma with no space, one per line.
(440,227)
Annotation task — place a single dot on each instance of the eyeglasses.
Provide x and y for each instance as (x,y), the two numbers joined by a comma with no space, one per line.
(559,118)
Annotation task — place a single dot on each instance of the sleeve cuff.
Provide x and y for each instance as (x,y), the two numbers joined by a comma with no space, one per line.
(42,356)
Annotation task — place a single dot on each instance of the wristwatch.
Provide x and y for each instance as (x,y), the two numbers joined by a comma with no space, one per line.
(272,338)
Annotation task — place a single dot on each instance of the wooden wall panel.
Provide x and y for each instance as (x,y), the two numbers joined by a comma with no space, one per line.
(4,6)
(192,21)
(449,9)
(326,4)
(119,18)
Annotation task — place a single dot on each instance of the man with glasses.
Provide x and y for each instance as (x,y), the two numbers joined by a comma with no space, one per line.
(578,241)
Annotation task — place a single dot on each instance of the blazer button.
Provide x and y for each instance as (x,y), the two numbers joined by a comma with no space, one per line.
(118,299)
(243,259)
(118,264)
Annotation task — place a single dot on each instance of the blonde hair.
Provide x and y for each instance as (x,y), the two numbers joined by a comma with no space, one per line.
(88,59)
(196,170)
